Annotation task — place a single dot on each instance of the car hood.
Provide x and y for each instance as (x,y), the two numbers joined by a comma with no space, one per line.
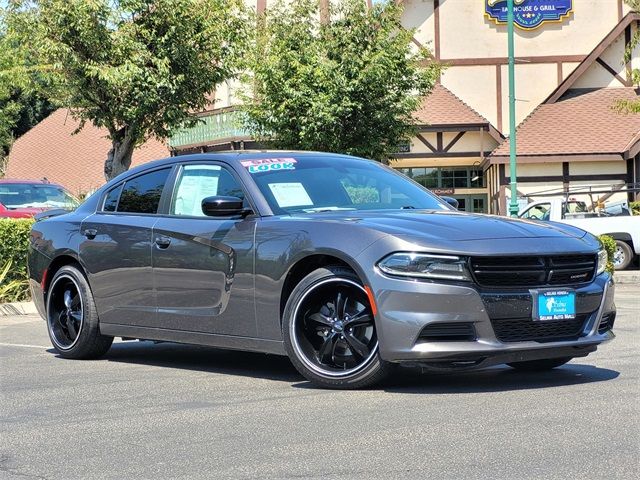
(449,225)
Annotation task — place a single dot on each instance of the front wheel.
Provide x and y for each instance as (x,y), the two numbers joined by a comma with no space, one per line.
(329,331)
(72,319)
(622,255)
(539,365)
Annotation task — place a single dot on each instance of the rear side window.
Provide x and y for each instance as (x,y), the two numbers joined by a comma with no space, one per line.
(142,194)
(111,200)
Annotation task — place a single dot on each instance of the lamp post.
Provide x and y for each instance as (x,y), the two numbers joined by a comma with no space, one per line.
(513,205)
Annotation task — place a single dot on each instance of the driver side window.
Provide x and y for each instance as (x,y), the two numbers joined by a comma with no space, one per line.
(539,212)
(197,182)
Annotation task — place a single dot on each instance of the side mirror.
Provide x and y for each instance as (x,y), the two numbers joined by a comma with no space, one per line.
(451,201)
(222,206)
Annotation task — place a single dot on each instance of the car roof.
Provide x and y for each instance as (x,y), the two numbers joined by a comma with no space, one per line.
(20,181)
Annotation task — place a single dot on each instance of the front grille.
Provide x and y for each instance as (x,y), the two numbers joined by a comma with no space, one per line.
(526,329)
(607,322)
(533,271)
(448,332)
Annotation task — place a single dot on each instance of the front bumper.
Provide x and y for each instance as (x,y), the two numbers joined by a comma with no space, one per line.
(406,307)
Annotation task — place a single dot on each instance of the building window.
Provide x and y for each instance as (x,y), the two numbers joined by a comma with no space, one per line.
(451,177)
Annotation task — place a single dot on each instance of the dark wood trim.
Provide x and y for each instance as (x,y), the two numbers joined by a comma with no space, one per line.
(502,174)
(455,140)
(572,178)
(609,69)
(499,95)
(565,172)
(620,11)
(592,57)
(436,29)
(453,127)
(437,155)
(426,142)
(439,141)
(560,74)
(463,62)
(627,42)
(559,158)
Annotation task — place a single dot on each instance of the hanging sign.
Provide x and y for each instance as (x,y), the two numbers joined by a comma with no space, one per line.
(529,14)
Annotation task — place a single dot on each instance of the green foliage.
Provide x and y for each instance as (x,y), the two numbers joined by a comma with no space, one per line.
(11,290)
(22,104)
(134,67)
(349,84)
(635,207)
(362,194)
(631,106)
(14,244)
(609,244)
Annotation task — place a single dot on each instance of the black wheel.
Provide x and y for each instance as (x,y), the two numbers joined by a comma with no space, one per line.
(72,319)
(539,365)
(329,331)
(622,256)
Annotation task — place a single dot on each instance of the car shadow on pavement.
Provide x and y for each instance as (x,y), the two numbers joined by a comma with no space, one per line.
(405,380)
(203,359)
(496,379)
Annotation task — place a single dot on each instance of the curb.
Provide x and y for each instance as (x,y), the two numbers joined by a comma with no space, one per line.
(18,308)
(627,277)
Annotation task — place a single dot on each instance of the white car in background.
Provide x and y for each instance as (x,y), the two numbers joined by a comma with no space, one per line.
(622,226)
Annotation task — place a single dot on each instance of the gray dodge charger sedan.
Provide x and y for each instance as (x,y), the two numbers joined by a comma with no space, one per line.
(344,265)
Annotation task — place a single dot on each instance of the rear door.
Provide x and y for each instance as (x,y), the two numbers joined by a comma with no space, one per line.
(203,266)
(117,250)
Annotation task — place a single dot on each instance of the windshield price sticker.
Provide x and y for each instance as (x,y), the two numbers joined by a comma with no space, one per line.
(260,165)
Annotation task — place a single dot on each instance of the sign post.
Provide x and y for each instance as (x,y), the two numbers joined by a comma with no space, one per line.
(513,206)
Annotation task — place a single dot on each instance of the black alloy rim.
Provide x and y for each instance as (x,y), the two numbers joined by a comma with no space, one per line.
(334,328)
(65,312)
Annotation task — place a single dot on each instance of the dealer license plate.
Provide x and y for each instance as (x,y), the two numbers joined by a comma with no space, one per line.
(554,305)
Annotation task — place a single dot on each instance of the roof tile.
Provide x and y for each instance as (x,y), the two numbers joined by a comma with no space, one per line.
(75,161)
(442,107)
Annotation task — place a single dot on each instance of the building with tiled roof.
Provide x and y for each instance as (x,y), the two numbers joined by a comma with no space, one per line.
(53,151)
(568,67)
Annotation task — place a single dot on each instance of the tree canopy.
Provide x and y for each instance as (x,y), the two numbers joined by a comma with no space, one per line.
(630,106)
(347,80)
(135,67)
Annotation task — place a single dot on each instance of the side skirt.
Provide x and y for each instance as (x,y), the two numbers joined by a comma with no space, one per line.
(196,338)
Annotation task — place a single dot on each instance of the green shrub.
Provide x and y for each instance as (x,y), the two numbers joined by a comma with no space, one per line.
(609,245)
(14,244)
(635,207)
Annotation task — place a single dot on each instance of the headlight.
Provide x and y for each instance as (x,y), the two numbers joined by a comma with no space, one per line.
(603,259)
(422,265)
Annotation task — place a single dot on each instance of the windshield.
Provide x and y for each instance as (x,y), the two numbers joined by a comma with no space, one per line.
(29,195)
(310,184)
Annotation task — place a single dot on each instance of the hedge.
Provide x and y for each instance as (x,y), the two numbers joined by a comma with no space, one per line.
(14,244)
(609,245)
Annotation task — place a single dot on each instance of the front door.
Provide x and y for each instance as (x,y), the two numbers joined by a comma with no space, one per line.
(203,266)
(117,249)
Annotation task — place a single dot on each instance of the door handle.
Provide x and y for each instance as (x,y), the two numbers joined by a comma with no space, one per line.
(163,242)
(90,233)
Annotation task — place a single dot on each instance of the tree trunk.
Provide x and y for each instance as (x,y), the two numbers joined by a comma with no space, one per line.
(119,157)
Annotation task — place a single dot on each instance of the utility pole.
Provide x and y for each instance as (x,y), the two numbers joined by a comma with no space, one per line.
(513,206)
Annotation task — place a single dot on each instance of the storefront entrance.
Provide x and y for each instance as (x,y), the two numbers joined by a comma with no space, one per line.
(472,203)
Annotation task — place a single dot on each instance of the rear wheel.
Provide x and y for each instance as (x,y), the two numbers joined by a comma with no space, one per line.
(539,365)
(72,319)
(329,331)
(622,255)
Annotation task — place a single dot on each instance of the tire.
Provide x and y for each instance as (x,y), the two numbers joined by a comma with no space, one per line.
(72,319)
(623,255)
(329,331)
(539,365)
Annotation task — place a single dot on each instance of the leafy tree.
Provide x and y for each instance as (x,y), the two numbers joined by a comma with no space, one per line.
(22,104)
(347,84)
(135,67)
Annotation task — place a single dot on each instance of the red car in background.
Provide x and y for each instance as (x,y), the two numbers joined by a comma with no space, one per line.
(26,198)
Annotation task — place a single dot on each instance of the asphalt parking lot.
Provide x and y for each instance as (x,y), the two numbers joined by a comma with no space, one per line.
(173,411)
